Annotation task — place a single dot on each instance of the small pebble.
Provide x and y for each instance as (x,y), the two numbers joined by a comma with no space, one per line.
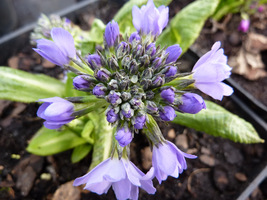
(181,141)
(146,158)
(241,177)
(171,134)
(208,160)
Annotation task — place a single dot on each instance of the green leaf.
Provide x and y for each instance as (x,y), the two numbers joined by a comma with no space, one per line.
(17,85)
(124,15)
(227,6)
(103,134)
(80,152)
(217,121)
(48,142)
(87,132)
(185,27)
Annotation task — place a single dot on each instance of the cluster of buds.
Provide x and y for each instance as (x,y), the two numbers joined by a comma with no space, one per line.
(137,83)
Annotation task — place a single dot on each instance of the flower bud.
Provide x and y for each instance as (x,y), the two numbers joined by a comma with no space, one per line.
(114,98)
(244,25)
(79,82)
(99,90)
(123,136)
(126,96)
(148,73)
(171,71)
(122,50)
(112,116)
(126,61)
(192,103)
(134,67)
(113,64)
(126,110)
(158,81)
(168,95)
(167,113)
(103,75)
(174,52)
(156,63)
(151,49)
(56,111)
(140,122)
(134,36)
(113,84)
(112,33)
(136,102)
(94,60)
(151,107)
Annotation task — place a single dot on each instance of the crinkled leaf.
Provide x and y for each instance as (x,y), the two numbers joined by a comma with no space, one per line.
(80,152)
(87,131)
(17,85)
(217,121)
(185,27)
(103,134)
(48,142)
(124,15)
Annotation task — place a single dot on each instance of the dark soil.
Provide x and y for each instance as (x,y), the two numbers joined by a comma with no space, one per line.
(222,170)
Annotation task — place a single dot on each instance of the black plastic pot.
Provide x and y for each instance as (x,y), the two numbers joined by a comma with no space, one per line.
(253,111)
(249,107)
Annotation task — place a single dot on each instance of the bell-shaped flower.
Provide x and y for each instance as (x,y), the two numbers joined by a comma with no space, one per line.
(122,175)
(167,113)
(60,50)
(56,111)
(123,136)
(209,72)
(192,103)
(168,160)
(174,52)
(149,19)
(112,33)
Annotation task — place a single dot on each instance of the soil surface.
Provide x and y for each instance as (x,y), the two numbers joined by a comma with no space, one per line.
(222,170)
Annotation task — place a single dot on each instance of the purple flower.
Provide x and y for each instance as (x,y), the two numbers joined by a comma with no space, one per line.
(168,95)
(244,25)
(171,72)
(192,103)
(123,136)
(122,175)
(158,81)
(56,111)
(112,32)
(80,83)
(102,75)
(60,50)
(209,72)
(94,60)
(167,114)
(149,19)
(99,90)
(114,98)
(139,122)
(134,36)
(151,49)
(112,116)
(174,53)
(156,63)
(261,8)
(168,160)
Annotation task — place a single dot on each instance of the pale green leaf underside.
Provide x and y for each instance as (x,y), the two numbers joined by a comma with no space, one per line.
(185,27)
(17,85)
(103,134)
(217,121)
(48,142)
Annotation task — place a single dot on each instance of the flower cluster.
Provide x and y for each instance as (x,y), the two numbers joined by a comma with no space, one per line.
(139,83)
